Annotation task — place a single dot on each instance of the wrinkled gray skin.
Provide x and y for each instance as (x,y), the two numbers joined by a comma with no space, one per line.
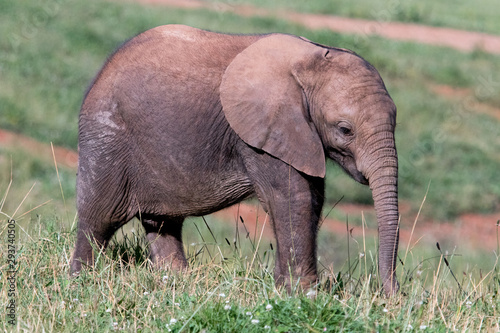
(183,122)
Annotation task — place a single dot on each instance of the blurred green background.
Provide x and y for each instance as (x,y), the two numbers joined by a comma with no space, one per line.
(448,132)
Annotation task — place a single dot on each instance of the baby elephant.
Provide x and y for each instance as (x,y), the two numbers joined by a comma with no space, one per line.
(184,122)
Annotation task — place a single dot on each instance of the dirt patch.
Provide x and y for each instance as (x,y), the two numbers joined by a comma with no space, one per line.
(466,41)
(64,157)
(451,92)
(467,97)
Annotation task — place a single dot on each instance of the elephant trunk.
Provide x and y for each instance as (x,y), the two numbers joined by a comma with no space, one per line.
(382,174)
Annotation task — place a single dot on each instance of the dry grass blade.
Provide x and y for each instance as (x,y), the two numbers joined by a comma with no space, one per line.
(415,221)
(24,199)
(8,189)
(35,208)
(59,180)
(256,249)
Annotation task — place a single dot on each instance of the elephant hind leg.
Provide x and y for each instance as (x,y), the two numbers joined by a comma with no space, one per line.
(90,236)
(97,223)
(164,235)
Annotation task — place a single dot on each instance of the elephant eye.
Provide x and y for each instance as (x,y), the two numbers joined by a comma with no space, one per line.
(346,131)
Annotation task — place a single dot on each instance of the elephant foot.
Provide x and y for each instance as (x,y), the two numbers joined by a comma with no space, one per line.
(300,284)
(164,237)
(175,261)
(391,287)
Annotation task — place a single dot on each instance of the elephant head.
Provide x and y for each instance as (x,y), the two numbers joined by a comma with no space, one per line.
(302,102)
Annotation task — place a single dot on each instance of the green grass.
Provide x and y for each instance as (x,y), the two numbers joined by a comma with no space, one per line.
(236,293)
(31,187)
(47,62)
(463,14)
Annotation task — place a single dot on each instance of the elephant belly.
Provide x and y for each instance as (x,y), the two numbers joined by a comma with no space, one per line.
(194,194)
(186,175)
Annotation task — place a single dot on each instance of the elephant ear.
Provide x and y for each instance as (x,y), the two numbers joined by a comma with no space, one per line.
(266,106)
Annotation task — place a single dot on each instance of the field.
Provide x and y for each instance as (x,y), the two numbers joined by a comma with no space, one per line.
(448,143)
(462,15)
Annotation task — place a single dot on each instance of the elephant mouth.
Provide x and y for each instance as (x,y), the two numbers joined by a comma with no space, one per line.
(348,164)
(360,178)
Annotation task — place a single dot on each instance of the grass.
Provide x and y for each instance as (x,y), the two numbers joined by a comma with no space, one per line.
(232,294)
(34,182)
(47,63)
(463,14)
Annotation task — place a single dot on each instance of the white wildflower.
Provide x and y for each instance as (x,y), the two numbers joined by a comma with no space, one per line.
(222,295)
(361,255)
(164,278)
(109,310)
(385,310)
(269,307)
(311,293)
(468,304)
(248,313)
(146,293)
(423,327)
(267,327)
(227,307)
(410,327)
(75,300)
(177,304)
(255,321)
(173,321)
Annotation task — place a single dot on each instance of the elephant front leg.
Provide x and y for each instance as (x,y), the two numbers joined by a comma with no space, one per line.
(296,232)
(164,237)
(295,208)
